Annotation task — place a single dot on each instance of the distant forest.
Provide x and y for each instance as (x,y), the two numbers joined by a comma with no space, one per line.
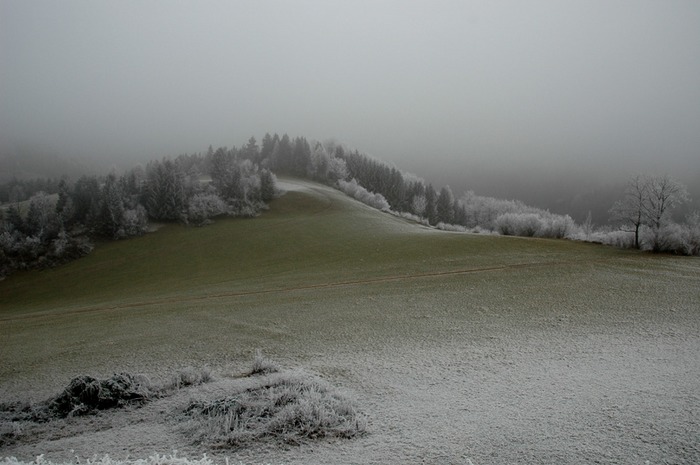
(45,222)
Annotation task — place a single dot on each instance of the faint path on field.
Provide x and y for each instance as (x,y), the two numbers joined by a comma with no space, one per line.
(282,290)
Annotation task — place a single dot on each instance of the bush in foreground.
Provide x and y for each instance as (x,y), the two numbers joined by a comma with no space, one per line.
(85,395)
(290,407)
(155,459)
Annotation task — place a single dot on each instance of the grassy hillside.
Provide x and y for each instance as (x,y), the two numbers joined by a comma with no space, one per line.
(312,236)
(205,294)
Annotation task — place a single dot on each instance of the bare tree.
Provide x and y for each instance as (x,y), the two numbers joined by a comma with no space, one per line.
(629,211)
(648,201)
(663,194)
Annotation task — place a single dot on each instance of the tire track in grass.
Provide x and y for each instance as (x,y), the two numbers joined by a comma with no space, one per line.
(282,290)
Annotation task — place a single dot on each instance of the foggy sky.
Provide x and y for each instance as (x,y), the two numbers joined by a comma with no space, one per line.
(446,89)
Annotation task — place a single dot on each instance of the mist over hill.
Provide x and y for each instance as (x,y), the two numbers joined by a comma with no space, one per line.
(31,161)
(548,102)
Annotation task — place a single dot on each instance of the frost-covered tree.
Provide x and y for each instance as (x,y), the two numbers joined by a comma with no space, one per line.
(431,197)
(268,185)
(337,170)
(418,205)
(319,163)
(663,195)
(629,211)
(281,156)
(251,151)
(648,201)
(86,199)
(268,145)
(226,174)
(109,221)
(203,206)
(42,221)
(445,206)
(165,190)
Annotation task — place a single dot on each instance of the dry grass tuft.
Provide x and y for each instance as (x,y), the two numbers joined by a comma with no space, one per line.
(186,377)
(263,365)
(291,407)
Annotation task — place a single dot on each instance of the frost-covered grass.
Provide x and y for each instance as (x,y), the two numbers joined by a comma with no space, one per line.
(373,302)
(291,407)
(154,459)
(263,365)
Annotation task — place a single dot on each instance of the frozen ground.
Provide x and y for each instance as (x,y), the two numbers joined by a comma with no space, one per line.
(490,385)
(560,363)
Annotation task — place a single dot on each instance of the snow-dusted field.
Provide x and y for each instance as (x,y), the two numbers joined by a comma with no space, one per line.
(549,361)
(449,370)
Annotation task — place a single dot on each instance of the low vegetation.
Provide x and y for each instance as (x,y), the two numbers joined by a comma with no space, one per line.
(154,459)
(263,365)
(291,407)
(267,404)
(86,395)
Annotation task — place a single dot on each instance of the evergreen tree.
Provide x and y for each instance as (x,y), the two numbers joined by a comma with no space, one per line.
(251,151)
(445,206)
(301,157)
(165,191)
(459,213)
(267,185)
(110,219)
(282,155)
(431,205)
(86,196)
(268,145)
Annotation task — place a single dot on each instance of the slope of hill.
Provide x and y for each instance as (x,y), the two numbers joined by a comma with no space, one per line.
(314,235)
(492,349)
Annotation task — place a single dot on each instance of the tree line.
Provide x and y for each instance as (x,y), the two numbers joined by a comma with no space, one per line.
(46,222)
(642,219)
(39,229)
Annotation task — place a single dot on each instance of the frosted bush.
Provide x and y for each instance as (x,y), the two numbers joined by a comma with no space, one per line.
(291,407)
(519,224)
(451,227)
(411,217)
(356,191)
(691,234)
(672,238)
(557,227)
(201,207)
(615,238)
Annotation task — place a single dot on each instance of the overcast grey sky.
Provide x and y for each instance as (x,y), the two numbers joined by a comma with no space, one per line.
(448,85)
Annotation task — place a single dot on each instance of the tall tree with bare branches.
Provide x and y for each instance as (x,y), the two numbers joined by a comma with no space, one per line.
(648,201)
